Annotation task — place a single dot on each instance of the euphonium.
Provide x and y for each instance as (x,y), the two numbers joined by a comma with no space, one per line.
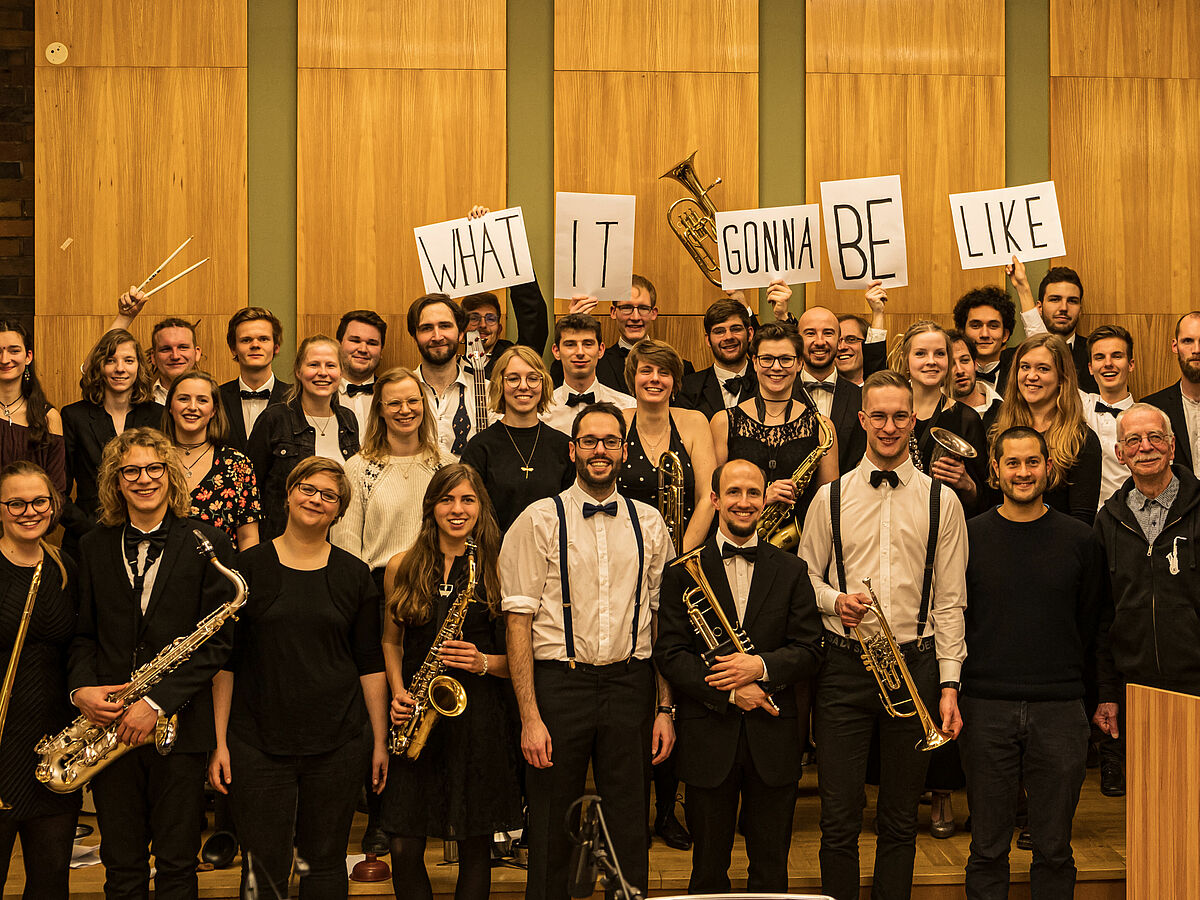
(694,219)
(433,692)
(78,752)
(10,675)
(883,658)
(670,496)
(778,525)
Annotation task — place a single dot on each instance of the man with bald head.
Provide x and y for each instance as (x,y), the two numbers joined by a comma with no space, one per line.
(1181,401)
(836,397)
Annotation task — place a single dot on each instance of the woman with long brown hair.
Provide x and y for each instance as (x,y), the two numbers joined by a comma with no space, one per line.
(30,428)
(463,786)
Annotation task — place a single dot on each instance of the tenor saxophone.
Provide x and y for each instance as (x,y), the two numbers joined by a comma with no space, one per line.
(778,525)
(71,758)
(433,692)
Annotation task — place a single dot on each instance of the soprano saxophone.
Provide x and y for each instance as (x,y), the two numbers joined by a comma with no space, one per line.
(71,758)
(433,692)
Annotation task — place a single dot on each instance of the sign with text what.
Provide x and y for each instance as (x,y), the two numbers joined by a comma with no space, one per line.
(864,231)
(468,256)
(994,226)
(593,245)
(759,245)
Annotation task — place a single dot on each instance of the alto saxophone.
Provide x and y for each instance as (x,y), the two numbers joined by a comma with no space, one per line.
(72,757)
(778,525)
(433,692)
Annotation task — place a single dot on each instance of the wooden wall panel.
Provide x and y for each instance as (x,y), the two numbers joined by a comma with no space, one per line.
(1121,38)
(958,146)
(143,32)
(406,34)
(924,37)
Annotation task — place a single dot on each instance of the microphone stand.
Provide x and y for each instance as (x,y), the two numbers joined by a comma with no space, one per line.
(599,852)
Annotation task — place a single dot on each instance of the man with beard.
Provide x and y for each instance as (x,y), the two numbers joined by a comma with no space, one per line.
(579,645)
(729,380)
(1029,627)
(836,397)
(736,741)
(966,387)
(1181,401)
(436,323)
(1059,303)
(362,333)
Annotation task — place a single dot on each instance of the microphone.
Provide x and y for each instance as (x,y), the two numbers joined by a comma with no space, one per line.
(583,867)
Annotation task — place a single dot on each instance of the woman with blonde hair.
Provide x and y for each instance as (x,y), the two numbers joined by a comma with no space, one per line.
(520,458)
(1043,393)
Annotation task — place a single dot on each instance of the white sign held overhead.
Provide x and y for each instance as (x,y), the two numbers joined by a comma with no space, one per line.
(994,226)
(760,245)
(864,231)
(467,256)
(593,245)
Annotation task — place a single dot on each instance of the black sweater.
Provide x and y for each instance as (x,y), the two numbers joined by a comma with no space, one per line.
(1033,591)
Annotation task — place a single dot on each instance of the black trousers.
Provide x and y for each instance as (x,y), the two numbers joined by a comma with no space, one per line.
(1046,743)
(712,815)
(46,843)
(847,713)
(145,800)
(601,715)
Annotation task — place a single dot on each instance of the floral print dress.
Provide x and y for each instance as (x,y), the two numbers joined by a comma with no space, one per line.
(227,497)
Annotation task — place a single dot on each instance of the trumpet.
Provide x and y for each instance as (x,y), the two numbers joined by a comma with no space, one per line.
(883,658)
(670,496)
(10,675)
(694,219)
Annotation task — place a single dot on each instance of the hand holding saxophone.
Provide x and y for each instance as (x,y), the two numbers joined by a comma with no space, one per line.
(851,608)
(93,702)
(781,491)
(402,708)
(463,655)
(137,724)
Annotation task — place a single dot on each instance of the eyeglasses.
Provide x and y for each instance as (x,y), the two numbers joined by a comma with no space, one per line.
(851,339)
(590,442)
(879,420)
(486,319)
(311,490)
(534,380)
(627,309)
(18,507)
(154,471)
(1157,439)
(769,362)
(397,405)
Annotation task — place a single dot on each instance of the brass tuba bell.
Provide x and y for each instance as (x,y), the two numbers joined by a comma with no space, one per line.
(694,219)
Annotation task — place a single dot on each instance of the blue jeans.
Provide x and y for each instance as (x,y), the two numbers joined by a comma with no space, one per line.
(1004,742)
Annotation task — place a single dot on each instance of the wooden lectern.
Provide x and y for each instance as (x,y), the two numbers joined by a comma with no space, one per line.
(1162,773)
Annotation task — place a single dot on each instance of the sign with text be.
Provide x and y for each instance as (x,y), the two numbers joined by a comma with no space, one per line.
(864,231)
(759,245)
(468,256)
(593,245)
(994,226)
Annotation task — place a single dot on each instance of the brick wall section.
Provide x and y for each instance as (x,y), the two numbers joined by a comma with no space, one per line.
(16,159)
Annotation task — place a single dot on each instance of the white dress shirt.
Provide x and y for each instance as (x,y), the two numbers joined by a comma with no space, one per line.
(559,415)
(885,532)
(1112,472)
(1032,320)
(252,409)
(722,375)
(445,407)
(359,404)
(603,577)
(739,573)
(990,396)
(1191,417)
(159,391)
(823,399)
(151,573)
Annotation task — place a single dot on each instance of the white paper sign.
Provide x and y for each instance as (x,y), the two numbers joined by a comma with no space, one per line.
(994,226)
(593,245)
(864,231)
(758,245)
(468,256)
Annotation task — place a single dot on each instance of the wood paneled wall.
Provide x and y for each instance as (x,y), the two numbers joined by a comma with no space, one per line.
(639,85)
(1125,112)
(140,142)
(914,88)
(401,122)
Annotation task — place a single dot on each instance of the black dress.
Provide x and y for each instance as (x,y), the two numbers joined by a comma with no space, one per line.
(39,704)
(639,477)
(776,449)
(500,453)
(963,421)
(1078,492)
(464,783)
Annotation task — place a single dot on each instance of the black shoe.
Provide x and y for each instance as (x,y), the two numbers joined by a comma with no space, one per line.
(1024,841)
(375,841)
(1112,778)
(671,830)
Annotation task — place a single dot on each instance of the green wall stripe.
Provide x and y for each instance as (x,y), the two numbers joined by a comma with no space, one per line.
(529,88)
(271,43)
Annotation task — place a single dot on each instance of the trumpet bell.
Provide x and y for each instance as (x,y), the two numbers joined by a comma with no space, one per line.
(948,443)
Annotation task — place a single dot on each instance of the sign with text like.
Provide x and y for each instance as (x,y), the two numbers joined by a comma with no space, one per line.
(759,245)
(593,245)
(864,231)
(468,256)
(994,226)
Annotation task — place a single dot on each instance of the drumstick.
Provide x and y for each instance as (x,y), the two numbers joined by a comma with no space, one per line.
(163,264)
(171,281)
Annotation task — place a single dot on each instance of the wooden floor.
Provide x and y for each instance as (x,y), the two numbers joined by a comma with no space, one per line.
(1099,841)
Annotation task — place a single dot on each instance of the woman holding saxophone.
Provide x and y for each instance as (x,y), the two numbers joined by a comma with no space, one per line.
(35,693)
(463,784)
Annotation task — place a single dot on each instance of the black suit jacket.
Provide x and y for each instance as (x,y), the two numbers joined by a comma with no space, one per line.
(784,625)
(1170,401)
(702,391)
(113,637)
(851,438)
(231,399)
(1079,352)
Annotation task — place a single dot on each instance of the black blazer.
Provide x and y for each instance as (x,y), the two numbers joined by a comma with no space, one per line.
(1079,352)
(113,637)
(231,399)
(87,428)
(702,391)
(1170,401)
(852,439)
(784,625)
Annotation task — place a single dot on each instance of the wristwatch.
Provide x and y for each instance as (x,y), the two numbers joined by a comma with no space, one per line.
(669,710)
(955,685)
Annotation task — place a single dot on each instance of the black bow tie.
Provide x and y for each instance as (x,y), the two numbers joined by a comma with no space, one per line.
(818,386)
(1102,408)
(353,390)
(574,400)
(879,476)
(609,509)
(264,394)
(730,550)
(134,539)
(735,385)
(989,377)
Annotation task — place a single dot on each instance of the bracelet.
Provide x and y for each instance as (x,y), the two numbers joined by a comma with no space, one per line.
(666,710)
(485,664)
(953,685)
